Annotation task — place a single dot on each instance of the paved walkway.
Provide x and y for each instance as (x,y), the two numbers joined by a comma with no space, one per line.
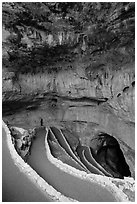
(68,185)
(16,187)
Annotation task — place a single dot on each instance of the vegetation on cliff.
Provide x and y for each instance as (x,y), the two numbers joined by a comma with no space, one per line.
(77,30)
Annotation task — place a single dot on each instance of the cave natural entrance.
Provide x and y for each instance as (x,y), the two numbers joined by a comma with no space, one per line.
(107,152)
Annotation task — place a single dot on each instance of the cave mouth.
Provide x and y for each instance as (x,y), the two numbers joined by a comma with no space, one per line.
(107,152)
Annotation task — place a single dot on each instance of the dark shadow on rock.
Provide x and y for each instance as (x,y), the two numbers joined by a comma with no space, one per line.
(133,83)
(126,88)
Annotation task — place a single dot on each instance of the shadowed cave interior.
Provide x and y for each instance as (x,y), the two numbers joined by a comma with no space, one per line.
(106,151)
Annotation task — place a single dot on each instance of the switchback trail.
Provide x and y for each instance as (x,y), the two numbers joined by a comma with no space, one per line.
(68,185)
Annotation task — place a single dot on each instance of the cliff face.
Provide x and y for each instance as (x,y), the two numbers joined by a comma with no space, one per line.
(33,36)
(77,79)
(117,86)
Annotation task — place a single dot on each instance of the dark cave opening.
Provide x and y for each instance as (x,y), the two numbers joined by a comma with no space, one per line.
(133,83)
(107,152)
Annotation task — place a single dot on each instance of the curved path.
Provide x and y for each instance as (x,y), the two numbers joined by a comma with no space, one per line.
(64,144)
(90,167)
(67,184)
(67,158)
(91,159)
(83,153)
(16,187)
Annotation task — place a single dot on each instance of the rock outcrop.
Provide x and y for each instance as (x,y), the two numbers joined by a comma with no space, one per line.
(116,86)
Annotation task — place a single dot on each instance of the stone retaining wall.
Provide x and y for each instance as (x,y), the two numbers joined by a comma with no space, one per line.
(32,175)
(104,181)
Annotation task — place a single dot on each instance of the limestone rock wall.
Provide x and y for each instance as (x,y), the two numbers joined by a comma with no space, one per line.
(117,86)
